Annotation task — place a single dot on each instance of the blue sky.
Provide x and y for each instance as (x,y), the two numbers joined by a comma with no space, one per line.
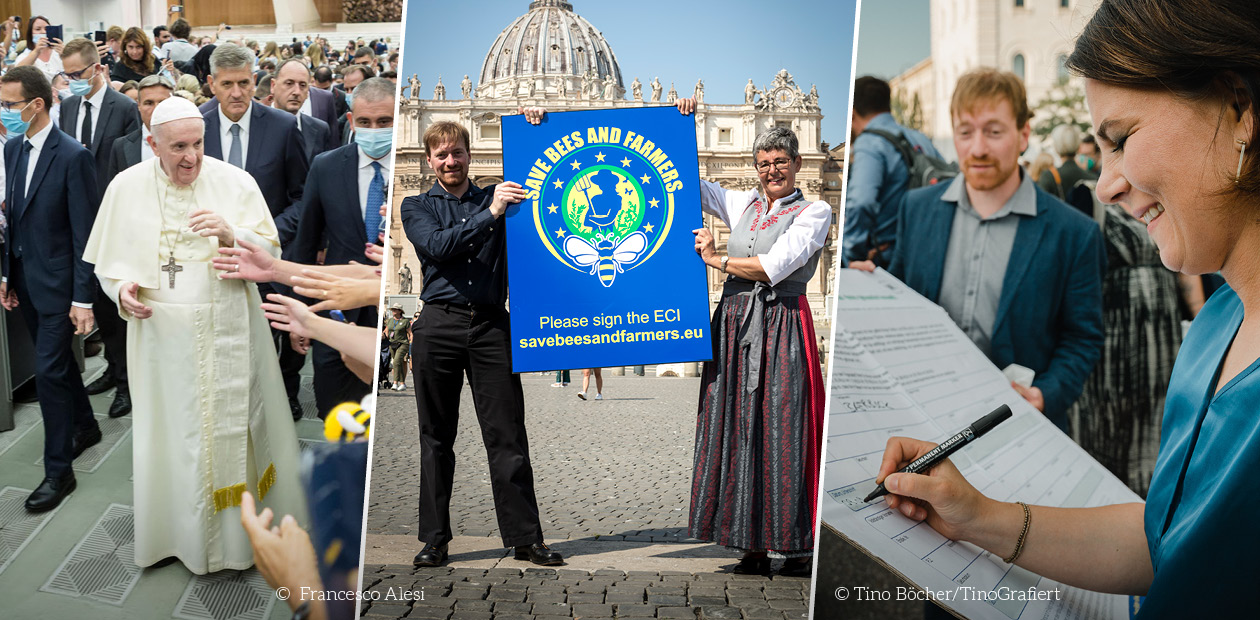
(893,36)
(723,42)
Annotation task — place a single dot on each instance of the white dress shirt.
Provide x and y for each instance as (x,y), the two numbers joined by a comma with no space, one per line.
(792,250)
(225,133)
(96,102)
(366,172)
(306,107)
(146,151)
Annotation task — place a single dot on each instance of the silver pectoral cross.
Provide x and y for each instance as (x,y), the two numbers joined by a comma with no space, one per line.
(171,268)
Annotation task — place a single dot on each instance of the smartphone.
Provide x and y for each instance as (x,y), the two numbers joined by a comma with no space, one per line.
(55,32)
(99,36)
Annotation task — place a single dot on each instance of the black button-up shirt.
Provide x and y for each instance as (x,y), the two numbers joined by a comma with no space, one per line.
(462,247)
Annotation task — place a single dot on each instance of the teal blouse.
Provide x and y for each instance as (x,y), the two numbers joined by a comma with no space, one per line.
(1204,499)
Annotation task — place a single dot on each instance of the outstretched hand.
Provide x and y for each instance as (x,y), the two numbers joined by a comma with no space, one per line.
(283,553)
(246,261)
(289,315)
(336,292)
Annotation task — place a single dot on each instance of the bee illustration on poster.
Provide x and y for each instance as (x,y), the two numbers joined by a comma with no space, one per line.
(600,253)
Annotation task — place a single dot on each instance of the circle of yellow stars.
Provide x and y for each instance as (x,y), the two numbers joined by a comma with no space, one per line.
(599,157)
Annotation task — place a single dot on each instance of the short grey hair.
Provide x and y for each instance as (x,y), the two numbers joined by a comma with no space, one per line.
(229,56)
(775,139)
(375,89)
(156,80)
(1066,138)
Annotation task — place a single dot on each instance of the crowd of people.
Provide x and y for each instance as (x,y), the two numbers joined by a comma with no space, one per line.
(1083,268)
(150,183)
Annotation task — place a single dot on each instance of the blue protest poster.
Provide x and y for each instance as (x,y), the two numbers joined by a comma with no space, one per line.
(602,268)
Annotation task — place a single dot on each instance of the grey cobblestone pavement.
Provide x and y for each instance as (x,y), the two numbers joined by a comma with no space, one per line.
(613,480)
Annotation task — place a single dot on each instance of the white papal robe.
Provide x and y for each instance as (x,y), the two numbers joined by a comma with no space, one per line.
(210,415)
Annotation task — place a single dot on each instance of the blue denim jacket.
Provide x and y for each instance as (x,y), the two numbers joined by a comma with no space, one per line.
(876,185)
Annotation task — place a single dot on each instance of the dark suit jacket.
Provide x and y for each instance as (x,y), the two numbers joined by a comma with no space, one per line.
(314,136)
(1049,317)
(276,159)
(53,223)
(125,154)
(322,108)
(330,211)
(119,116)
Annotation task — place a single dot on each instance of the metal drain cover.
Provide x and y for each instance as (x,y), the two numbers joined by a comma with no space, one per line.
(226,595)
(17,526)
(102,566)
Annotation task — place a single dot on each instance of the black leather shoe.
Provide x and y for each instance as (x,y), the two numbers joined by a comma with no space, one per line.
(102,383)
(92,348)
(540,554)
(50,493)
(86,439)
(121,405)
(295,408)
(166,561)
(797,567)
(430,556)
(759,565)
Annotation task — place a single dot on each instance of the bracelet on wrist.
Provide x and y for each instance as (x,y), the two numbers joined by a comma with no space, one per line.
(1023,535)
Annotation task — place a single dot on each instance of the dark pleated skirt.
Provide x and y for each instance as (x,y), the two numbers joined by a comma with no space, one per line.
(755,482)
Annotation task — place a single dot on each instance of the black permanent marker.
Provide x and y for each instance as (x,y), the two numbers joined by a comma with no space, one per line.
(934,456)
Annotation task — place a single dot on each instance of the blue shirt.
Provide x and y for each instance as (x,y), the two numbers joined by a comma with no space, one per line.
(878,180)
(1202,504)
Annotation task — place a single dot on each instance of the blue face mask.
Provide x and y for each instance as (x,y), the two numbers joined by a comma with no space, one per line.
(12,121)
(375,142)
(81,87)
(349,100)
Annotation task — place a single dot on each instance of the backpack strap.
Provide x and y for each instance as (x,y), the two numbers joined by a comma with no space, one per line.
(899,141)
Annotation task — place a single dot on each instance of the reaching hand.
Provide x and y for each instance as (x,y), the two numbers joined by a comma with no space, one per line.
(863,265)
(129,299)
(283,553)
(1031,394)
(290,315)
(336,292)
(375,253)
(246,262)
(299,344)
(207,223)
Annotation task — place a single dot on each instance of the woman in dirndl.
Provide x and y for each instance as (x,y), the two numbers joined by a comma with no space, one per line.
(758,433)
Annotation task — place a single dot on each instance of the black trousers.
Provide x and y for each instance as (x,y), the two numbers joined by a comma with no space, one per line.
(334,383)
(450,342)
(291,361)
(113,331)
(63,401)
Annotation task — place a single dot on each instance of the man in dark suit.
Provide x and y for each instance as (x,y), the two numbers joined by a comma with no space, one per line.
(1018,270)
(97,115)
(133,148)
(266,143)
(52,199)
(352,77)
(341,204)
(291,92)
(319,104)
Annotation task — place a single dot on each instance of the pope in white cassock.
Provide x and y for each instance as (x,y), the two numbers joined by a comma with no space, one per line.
(211,418)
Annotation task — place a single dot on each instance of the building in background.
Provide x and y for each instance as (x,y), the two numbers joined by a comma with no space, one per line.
(552,57)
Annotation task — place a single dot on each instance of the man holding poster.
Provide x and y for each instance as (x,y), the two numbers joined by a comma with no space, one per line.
(457,229)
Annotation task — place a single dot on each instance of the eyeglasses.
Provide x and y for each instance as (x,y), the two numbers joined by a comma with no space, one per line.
(10,105)
(78,74)
(779,164)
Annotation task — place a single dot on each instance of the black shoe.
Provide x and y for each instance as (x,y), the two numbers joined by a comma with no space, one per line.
(86,439)
(539,554)
(50,493)
(797,567)
(92,348)
(295,408)
(102,383)
(430,556)
(759,565)
(121,405)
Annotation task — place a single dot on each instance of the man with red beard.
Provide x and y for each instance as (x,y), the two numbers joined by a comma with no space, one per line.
(458,232)
(1018,270)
